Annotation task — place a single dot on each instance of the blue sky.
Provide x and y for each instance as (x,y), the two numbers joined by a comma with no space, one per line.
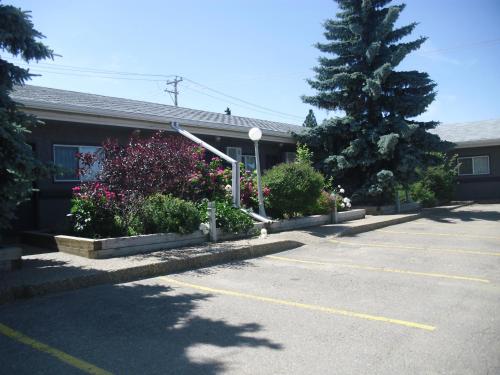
(260,51)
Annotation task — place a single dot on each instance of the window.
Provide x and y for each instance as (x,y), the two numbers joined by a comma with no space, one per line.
(249,162)
(65,157)
(474,165)
(289,157)
(234,152)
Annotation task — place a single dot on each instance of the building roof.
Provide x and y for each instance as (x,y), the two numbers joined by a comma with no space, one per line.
(49,99)
(471,134)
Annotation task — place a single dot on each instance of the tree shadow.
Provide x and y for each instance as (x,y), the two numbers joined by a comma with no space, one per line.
(131,329)
(453,217)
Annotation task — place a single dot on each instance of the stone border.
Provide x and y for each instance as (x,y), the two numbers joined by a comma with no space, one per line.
(112,247)
(314,220)
(391,209)
(122,246)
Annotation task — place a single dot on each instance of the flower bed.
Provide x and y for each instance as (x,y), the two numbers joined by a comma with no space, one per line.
(113,247)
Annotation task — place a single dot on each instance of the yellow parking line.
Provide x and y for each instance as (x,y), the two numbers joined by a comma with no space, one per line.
(439,234)
(60,355)
(406,247)
(329,310)
(382,269)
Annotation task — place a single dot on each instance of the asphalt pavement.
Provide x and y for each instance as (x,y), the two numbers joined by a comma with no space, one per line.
(416,298)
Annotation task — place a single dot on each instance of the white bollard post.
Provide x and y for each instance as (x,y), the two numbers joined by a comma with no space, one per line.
(212,221)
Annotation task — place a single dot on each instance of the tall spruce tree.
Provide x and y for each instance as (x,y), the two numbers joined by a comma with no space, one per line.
(378,143)
(310,121)
(18,165)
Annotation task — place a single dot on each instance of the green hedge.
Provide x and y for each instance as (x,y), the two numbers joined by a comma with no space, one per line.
(295,189)
(167,214)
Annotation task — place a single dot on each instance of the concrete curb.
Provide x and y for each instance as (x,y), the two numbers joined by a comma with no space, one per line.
(377,225)
(425,212)
(147,271)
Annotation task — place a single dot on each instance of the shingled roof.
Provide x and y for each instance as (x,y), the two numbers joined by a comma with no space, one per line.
(471,134)
(63,100)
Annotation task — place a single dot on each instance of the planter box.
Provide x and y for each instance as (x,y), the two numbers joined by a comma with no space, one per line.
(351,215)
(298,223)
(391,209)
(113,247)
(10,258)
(314,220)
(122,246)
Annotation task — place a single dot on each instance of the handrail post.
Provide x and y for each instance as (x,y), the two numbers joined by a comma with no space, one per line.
(235,186)
(212,219)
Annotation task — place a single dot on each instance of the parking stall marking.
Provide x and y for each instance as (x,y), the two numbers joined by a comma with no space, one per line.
(60,355)
(383,269)
(439,234)
(406,247)
(328,310)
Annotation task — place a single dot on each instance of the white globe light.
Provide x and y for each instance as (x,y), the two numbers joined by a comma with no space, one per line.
(255,134)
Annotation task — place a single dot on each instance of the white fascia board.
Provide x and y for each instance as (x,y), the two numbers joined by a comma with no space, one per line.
(48,111)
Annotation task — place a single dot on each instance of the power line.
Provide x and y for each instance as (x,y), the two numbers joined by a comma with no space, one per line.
(241,100)
(464,46)
(89,70)
(38,70)
(233,103)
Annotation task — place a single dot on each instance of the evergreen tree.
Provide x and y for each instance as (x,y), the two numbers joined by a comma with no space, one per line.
(228,111)
(378,143)
(18,165)
(310,121)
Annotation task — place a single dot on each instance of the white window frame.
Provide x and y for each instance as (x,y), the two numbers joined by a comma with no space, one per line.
(238,152)
(288,159)
(243,160)
(473,169)
(79,178)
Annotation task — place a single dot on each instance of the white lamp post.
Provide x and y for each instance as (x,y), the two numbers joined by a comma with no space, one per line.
(255,135)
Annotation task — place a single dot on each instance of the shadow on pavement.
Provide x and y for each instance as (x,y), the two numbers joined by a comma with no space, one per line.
(124,329)
(451,217)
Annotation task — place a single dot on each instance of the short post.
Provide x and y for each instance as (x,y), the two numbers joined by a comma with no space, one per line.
(334,212)
(212,220)
(398,203)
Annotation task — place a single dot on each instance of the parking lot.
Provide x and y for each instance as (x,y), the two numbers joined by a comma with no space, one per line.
(416,298)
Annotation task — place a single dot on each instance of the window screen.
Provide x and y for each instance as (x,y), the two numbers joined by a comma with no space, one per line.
(65,158)
(474,165)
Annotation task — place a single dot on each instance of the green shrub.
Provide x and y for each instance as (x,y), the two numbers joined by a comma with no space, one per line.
(439,180)
(95,219)
(166,214)
(421,193)
(230,219)
(323,205)
(294,189)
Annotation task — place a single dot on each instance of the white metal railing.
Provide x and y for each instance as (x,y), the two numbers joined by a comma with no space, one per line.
(235,165)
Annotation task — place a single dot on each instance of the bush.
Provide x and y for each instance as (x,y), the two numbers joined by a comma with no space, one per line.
(162,163)
(439,180)
(294,189)
(421,193)
(323,205)
(94,212)
(167,214)
(230,219)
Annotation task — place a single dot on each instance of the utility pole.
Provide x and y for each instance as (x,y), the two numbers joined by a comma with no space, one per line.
(175,91)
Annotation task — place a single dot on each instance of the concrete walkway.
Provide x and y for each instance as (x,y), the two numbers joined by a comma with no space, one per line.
(55,272)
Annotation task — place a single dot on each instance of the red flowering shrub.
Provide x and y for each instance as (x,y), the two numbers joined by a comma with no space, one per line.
(166,164)
(249,190)
(95,211)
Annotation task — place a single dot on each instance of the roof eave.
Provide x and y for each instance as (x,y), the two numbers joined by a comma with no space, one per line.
(478,143)
(50,111)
